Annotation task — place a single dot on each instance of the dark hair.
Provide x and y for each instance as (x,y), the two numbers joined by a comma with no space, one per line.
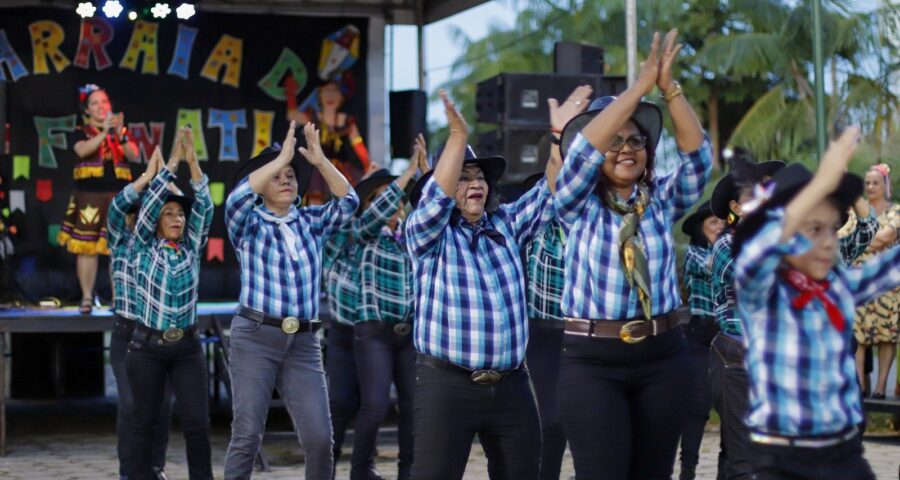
(87,99)
(697,237)
(647,179)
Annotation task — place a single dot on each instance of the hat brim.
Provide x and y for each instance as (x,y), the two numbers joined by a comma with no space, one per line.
(492,167)
(185,202)
(647,116)
(368,185)
(532,180)
(692,222)
(302,169)
(726,190)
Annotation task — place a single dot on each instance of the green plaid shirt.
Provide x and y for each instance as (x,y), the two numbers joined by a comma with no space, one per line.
(546,273)
(385,271)
(119,239)
(340,268)
(697,261)
(166,278)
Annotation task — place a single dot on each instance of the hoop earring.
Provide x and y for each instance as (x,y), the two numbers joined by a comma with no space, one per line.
(643,176)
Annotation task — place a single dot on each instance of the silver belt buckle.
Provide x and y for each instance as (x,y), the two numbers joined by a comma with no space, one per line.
(172,334)
(402,328)
(290,325)
(486,377)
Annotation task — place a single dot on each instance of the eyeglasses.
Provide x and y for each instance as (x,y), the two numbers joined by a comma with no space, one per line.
(635,142)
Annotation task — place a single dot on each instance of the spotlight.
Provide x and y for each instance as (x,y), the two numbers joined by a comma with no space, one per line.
(727,153)
(132,15)
(112,8)
(160,10)
(85,9)
(185,11)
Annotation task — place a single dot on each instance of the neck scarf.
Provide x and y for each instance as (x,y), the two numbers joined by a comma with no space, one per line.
(287,233)
(171,245)
(631,248)
(483,228)
(810,289)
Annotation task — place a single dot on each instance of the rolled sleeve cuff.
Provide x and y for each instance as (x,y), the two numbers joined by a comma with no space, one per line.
(131,195)
(201,184)
(581,147)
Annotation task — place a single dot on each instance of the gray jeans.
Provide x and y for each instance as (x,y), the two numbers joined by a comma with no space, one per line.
(264,358)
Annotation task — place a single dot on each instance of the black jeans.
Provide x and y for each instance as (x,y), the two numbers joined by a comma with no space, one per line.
(731,397)
(699,332)
(622,405)
(382,357)
(450,410)
(843,461)
(118,349)
(542,358)
(343,384)
(182,364)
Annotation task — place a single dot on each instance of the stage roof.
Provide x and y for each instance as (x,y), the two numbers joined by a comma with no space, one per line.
(394,11)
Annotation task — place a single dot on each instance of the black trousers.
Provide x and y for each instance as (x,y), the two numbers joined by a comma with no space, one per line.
(150,365)
(450,410)
(839,462)
(699,332)
(731,397)
(343,384)
(542,358)
(622,405)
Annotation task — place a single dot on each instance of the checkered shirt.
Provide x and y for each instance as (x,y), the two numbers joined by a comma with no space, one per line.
(546,272)
(342,257)
(165,278)
(596,287)
(698,280)
(385,271)
(800,368)
(856,243)
(119,238)
(271,281)
(470,286)
(722,279)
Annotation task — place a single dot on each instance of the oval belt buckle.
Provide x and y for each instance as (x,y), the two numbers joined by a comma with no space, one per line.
(486,377)
(402,328)
(625,332)
(290,325)
(173,334)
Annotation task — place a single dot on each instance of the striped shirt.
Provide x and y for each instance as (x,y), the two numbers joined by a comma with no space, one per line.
(119,238)
(385,268)
(595,286)
(800,368)
(546,272)
(341,269)
(470,283)
(272,282)
(166,278)
(697,280)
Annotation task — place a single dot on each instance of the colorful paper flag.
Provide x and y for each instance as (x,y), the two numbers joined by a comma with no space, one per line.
(17,200)
(44,190)
(215,248)
(6,212)
(21,166)
(52,232)
(217,192)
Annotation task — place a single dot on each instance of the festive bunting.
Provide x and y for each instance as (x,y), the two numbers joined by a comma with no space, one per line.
(6,212)
(44,190)
(17,200)
(146,142)
(288,61)
(52,233)
(227,121)
(263,132)
(46,37)
(9,58)
(21,166)
(143,42)
(194,119)
(96,33)
(184,44)
(228,54)
(49,137)
(217,192)
(215,249)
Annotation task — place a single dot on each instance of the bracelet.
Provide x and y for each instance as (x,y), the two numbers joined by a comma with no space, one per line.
(554,139)
(555,130)
(670,95)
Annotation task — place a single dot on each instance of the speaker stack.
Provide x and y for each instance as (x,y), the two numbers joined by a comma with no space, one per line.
(408,119)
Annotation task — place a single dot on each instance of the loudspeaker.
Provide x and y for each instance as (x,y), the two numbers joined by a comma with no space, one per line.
(408,113)
(526,150)
(577,58)
(521,98)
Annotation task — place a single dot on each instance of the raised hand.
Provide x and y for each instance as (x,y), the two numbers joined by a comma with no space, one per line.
(577,102)
(108,123)
(177,154)
(187,143)
(455,121)
(649,74)
(834,162)
(313,150)
(287,147)
(420,154)
(670,49)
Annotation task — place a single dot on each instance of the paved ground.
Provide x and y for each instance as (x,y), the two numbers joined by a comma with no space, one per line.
(76,441)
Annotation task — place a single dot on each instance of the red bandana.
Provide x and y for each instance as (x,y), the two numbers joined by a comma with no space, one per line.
(810,289)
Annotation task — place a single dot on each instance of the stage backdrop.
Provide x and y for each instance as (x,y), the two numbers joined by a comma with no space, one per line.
(221,73)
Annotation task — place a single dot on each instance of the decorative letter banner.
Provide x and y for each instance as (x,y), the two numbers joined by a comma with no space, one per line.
(21,166)
(9,58)
(146,142)
(46,37)
(288,61)
(96,33)
(181,61)
(228,54)
(217,192)
(143,42)
(194,119)
(52,233)
(44,190)
(48,137)
(262,137)
(228,121)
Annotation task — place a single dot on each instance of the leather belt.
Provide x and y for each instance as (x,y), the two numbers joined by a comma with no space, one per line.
(289,325)
(804,442)
(633,331)
(399,328)
(164,337)
(480,376)
(547,323)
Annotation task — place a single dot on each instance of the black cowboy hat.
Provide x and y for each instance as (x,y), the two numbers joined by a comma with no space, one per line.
(371,183)
(302,168)
(692,223)
(787,183)
(183,200)
(492,167)
(647,116)
(532,180)
(726,190)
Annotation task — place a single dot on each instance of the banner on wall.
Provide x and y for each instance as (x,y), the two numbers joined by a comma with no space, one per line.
(222,74)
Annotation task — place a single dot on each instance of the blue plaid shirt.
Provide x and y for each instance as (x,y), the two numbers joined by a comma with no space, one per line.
(801,371)
(697,280)
(340,264)
(271,281)
(596,287)
(121,269)
(470,284)
(166,278)
(546,272)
